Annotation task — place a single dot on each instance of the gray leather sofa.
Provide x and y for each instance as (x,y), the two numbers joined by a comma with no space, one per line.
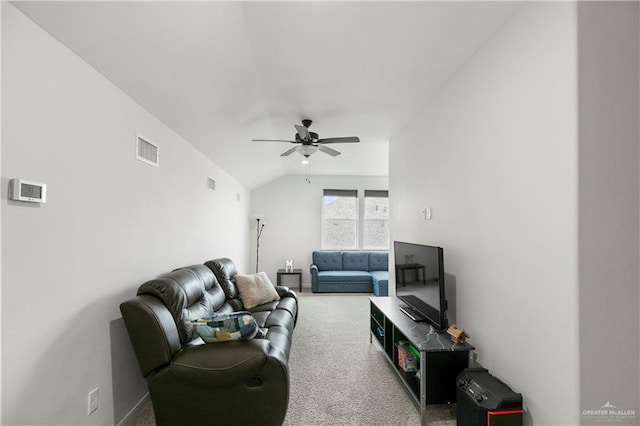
(237,382)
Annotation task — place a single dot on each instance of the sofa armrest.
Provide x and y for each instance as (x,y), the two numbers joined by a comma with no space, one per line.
(224,363)
(313,269)
(284,291)
(152,331)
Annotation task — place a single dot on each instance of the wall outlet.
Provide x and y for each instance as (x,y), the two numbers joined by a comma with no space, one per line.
(92,401)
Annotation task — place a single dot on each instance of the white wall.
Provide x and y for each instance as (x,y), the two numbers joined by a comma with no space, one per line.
(494,154)
(110,223)
(609,209)
(293,213)
(0,217)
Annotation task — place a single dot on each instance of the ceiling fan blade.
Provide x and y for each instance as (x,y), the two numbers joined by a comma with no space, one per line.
(346,139)
(327,150)
(302,131)
(289,152)
(271,140)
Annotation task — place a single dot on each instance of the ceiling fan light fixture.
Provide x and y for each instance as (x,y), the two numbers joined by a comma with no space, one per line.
(305,160)
(306,150)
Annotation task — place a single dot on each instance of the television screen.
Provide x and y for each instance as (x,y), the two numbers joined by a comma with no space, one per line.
(419,273)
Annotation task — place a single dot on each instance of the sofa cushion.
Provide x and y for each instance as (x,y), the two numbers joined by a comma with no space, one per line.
(380,280)
(355,261)
(288,304)
(380,290)
(378,261)
(225,327)
(380,276)
(339,276)
(256,289)
(225,270)
(328,260)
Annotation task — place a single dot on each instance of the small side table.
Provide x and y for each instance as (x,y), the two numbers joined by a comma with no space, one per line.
(297,272)
(401,271)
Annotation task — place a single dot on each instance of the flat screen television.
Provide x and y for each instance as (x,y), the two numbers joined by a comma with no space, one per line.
(420,282)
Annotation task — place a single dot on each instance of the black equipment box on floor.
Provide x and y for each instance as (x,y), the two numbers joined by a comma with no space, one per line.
(485,400)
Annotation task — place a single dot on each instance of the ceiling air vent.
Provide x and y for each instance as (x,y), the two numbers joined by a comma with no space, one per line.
(147,152)
(212,184)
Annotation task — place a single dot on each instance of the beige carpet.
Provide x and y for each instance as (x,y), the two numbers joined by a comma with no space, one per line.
(337,376)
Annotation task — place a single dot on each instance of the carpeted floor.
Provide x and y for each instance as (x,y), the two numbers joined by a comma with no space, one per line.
(337,376)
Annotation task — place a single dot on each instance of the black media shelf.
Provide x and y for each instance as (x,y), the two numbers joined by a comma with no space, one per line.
(441,360)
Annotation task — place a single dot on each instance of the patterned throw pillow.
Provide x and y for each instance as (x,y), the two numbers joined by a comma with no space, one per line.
(225,327)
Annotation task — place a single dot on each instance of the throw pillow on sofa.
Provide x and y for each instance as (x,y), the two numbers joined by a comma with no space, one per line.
(224,327)
(256,289)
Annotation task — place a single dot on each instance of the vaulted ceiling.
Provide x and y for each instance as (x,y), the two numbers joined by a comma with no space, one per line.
(223,73)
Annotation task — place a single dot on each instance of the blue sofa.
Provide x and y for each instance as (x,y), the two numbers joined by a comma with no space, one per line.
(350,272)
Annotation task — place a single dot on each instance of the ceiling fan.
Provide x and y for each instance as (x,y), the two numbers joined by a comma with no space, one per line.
(307,143)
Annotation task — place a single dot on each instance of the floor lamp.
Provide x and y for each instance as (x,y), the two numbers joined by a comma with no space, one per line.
(259,228)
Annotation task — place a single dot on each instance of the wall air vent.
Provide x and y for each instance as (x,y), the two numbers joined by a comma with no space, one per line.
(147,152)
(212,184)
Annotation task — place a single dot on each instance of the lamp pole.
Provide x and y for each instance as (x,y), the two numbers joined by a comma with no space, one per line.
(259,228)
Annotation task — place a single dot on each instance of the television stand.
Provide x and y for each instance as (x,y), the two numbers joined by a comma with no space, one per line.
(440,362)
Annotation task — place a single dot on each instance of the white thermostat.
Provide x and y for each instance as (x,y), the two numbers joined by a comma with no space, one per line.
(24,190)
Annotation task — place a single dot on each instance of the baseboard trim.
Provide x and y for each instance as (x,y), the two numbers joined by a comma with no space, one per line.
(131,415)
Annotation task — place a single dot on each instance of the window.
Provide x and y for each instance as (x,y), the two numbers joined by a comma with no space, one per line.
(375,235)
(340,219)
(342,224)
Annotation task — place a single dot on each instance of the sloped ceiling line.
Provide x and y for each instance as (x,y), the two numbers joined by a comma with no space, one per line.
(223,73)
